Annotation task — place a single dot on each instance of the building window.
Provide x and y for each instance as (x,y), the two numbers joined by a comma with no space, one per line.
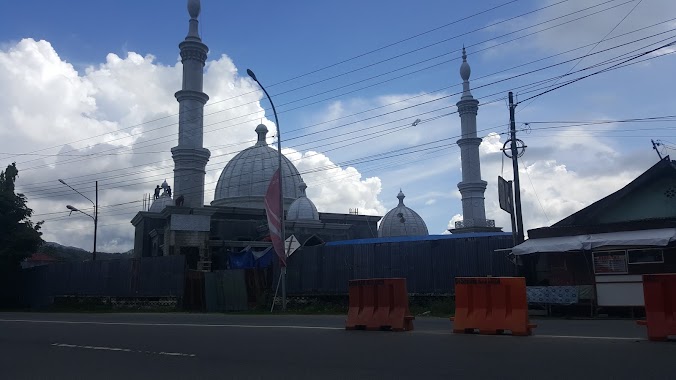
(610,262)
(645,256)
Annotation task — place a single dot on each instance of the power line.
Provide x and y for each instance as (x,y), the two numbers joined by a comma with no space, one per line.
(584,69)
(580,70)
(492,25)
(600,71)
(315,71)
(627,43)
(594,47)
(396,43)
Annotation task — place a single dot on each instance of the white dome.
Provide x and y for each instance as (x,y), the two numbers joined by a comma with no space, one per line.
(245,179)
(160,203)
(302,208)
(402,221)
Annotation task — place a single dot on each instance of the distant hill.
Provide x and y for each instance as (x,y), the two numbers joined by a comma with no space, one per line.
(64,253)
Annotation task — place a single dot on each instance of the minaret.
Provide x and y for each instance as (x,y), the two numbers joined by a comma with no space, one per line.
(190,158)
(471,188)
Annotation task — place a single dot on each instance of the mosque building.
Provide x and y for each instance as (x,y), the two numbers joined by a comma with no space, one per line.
(180,223)
(236,217)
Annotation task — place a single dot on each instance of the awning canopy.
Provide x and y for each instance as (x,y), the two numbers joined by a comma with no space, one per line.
(641,238)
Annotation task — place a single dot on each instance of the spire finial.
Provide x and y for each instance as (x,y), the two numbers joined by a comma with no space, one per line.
(465,72)
(194,9)
(401,197)
(302,188)
(262,132)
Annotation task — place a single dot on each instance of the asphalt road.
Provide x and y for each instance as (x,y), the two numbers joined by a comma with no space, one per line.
(213,346)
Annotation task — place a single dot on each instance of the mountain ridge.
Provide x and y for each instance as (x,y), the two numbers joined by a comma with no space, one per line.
(67,253)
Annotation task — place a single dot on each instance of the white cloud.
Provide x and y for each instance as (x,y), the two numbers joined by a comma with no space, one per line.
(451,223)
(337,189)
(595,27)
(53,108)
(550,189)
(53,105)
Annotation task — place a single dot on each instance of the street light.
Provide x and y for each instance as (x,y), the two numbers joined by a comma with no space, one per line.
(281,196)
(96,211)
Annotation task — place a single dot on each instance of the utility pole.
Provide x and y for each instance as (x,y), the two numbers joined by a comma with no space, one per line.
(515,166)
(96,219)
(655,145)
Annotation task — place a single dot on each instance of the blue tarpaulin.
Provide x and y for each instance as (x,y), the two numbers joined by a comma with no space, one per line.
(242,259)
(248,259)
(264,259)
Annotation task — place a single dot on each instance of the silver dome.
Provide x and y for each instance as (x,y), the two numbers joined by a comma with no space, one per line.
(245,179)
(402,221)
(160,203)
(302,208)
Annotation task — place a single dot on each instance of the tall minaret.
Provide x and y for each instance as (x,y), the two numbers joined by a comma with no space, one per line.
(190,158)
(471,188)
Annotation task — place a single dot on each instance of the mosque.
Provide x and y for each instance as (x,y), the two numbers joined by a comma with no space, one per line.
(179,222)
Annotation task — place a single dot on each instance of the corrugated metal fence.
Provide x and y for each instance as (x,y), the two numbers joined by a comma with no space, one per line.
(430,266)
(146,277)
(226,290)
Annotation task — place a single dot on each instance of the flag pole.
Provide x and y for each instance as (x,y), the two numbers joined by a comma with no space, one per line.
(281,189)
(274,299)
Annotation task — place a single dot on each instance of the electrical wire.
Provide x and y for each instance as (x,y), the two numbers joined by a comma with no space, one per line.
(492,25)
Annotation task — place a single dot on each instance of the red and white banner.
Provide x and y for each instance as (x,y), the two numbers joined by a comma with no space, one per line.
(273,209)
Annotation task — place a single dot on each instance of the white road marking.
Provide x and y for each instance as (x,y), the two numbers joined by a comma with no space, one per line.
(535,335)
(588,337)
(103,348)
(295,328)
(172,324)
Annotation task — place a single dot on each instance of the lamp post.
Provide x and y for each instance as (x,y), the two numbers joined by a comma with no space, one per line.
(96,211)
(281,196)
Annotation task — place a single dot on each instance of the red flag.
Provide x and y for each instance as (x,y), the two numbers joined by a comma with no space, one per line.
(273,209)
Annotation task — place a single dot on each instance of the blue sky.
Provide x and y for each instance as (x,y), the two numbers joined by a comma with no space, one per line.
(97,68)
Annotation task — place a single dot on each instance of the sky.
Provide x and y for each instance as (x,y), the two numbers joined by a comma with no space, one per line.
(88,96)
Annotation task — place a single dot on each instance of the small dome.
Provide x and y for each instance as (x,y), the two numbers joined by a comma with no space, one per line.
(245,179)
(402,221)
(160,203)
(302,208)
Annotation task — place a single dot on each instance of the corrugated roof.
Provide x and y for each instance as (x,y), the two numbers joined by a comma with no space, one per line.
(396,239)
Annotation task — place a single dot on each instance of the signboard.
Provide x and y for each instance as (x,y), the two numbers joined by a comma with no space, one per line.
(505,195)
(291,244)
(610,262)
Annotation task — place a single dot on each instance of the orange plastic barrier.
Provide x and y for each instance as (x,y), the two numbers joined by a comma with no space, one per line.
(378,304)
(659,292)
(491,305)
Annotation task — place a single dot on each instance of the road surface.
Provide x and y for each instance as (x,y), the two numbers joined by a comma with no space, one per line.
(215,346)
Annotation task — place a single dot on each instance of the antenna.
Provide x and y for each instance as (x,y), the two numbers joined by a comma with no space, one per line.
(655,145)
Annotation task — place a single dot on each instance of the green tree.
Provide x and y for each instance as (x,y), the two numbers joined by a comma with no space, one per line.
(19,236)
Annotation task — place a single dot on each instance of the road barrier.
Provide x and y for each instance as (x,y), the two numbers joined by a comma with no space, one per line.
(379,304)
(659,292)
(491,305)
